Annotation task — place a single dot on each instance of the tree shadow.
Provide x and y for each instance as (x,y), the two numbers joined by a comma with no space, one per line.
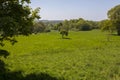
(17,75)
(6,74)
(66,38)
(114,34)
(41,76)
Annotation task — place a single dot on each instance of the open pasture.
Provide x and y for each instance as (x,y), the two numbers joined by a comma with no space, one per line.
(84,55)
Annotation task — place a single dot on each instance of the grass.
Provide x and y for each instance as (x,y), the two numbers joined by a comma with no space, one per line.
(84,56)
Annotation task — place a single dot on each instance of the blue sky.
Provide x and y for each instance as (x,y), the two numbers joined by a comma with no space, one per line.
(74,9)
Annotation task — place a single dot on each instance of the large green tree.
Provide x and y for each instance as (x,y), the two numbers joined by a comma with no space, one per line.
(114,16)
(16,18)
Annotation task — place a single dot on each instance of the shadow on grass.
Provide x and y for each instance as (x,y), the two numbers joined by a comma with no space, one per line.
(6,74)
(65,38)
(115,35)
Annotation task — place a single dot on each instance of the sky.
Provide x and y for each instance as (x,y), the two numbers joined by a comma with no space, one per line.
(73,9)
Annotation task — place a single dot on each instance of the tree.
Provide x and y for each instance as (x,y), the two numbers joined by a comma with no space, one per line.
(16,17)
(83,25)
(107,25)
(114,16)
(93,24)
(64,33)
(64,28)
(57,26)
(38,27)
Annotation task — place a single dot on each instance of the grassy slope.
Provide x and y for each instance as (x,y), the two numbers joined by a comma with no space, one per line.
(86,55)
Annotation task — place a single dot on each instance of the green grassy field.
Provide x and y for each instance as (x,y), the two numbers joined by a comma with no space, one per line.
(84,56)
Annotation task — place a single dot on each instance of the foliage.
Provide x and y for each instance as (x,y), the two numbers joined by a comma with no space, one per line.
(57,26)
(38,27)
(83,25)
(93,24)
(114,16)
(77,25)
(107,25)
(16,17)
(64,33)
(64,28)
(87,55)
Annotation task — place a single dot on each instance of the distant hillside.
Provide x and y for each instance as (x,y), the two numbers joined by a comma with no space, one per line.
(51,21)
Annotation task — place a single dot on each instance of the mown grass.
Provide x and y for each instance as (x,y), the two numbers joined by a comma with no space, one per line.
(84,56)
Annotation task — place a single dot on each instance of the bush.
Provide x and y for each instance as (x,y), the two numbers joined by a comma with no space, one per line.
(85,28)
(47,30)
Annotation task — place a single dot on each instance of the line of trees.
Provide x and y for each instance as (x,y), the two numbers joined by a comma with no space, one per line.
(64,26)
(77,25)
(111,24)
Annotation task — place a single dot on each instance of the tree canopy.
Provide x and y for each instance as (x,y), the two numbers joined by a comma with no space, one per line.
(114,16)
(16,17)
(107,25)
